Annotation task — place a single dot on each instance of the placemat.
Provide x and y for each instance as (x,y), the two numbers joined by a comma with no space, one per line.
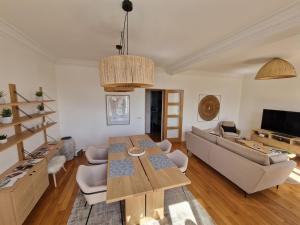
(119,168)
(147,144)
(160,161)
(119,147)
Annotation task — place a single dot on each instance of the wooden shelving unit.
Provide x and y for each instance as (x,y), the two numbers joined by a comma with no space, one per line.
(18,138)
(24,103)
(52,149)
(20,134)
(24,119)
(291,144)
(21,198)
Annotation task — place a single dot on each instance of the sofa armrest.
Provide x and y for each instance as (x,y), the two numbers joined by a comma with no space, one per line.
(221,131)
(275,174)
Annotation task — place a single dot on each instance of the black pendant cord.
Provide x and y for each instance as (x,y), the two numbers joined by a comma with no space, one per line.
(124,43)
(123,47)
(119,47)
(123,35)
(127,32)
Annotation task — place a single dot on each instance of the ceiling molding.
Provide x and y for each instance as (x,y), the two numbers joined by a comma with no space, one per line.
(86,63)
(13,32)
(209,74)
(281,20)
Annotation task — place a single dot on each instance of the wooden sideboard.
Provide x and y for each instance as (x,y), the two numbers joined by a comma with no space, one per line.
(18,201)
(290,144)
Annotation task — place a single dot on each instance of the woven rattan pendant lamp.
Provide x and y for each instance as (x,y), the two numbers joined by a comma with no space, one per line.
(123,71)
(118,89)
(276,68)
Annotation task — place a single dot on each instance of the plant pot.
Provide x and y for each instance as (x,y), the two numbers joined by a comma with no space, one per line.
(6,119)
(39,98)
(2,100)
(42,112)
(3,141)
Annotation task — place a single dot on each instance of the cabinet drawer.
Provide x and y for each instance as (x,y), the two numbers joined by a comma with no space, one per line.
(40,181)
(7,215)
(23,198)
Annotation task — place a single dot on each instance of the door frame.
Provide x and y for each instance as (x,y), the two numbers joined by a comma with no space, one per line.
(165,116)
(180,116)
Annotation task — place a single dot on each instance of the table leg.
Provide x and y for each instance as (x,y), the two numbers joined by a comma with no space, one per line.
(135,210)
(155,205)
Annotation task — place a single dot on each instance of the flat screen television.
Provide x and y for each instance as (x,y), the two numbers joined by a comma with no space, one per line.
(281,121)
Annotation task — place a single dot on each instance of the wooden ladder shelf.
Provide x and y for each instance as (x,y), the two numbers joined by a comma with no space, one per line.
(21,135)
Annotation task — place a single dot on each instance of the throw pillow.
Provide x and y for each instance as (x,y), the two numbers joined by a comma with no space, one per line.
(229,129)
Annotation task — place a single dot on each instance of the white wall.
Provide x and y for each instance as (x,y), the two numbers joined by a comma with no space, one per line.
(82,102)
(28,70)
(195,83)
(82,107)
(282,94)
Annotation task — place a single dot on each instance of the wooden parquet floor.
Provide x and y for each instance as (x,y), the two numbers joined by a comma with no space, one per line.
(223,200)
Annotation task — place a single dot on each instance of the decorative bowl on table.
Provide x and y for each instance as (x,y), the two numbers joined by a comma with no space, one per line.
(136,151)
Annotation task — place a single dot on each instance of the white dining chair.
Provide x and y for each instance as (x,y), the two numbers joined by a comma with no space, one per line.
(165,146)
(96,155)
(179,159)
(92,183)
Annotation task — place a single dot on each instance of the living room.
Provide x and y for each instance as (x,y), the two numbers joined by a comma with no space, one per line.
(56,47)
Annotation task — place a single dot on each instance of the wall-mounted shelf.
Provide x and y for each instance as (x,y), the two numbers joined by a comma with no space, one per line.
(22,196)
(24,119)
(52,149)
(21,135)
(24,103)
(17,138)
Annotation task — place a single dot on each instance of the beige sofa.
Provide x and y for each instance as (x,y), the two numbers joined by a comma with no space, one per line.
(251,170)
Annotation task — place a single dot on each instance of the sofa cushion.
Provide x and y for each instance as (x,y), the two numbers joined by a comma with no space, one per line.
(244,151)
(229,129)
(204,134)
(230,134)
(282,157)
(228,124)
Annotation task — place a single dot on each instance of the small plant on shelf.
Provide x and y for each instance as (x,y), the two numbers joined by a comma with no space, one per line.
(41,108)
(6,115)
(2,99)
(3,138)
(39,95)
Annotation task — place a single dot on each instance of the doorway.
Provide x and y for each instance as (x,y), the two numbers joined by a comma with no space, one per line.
(154,113)
(164,113)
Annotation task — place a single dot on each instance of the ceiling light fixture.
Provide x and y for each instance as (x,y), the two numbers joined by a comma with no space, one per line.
(124,70)
(118,89)
(276,69)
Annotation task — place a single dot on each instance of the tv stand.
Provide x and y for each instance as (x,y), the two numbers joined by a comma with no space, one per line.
(284,135)
(278,140)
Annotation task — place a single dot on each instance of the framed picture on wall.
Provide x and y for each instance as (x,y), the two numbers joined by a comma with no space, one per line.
(118,109)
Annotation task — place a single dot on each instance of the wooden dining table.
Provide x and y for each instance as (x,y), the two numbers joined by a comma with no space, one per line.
(138,181)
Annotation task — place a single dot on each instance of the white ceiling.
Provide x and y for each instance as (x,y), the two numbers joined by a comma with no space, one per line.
(249,60)
(168,31)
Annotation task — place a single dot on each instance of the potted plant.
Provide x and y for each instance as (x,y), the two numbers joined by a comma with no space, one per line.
(2,99)
(3,138)
(6,116)
(39,95)
(41,108)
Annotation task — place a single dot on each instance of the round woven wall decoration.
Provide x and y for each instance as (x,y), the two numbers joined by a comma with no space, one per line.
(209,107)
